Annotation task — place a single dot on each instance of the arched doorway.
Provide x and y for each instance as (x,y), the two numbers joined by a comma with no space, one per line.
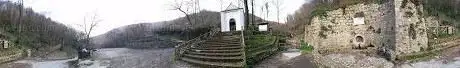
(232,24)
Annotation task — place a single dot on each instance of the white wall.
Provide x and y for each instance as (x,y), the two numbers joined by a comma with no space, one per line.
(238,15)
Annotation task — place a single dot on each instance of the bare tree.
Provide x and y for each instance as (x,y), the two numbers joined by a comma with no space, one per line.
(278,4)
(253,15)
(89,23)
(246,17)
(184,7)
(266,6)
(21,6)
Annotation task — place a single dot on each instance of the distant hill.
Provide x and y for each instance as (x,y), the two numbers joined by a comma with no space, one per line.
(164,34)
(157,34)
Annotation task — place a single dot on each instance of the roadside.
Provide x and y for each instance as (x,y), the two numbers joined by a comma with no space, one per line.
(447,58)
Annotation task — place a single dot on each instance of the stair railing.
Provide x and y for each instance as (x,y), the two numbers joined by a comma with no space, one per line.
(180,48)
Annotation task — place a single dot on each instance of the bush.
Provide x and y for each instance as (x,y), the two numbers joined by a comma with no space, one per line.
(305,47)
(258,40)
(259,43)
(444,35)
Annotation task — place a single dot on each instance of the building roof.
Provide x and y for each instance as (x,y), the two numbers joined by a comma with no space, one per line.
(263,23)
(231,7)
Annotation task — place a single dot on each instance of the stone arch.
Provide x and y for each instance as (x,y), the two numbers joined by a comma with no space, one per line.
(359,44)
(359,39)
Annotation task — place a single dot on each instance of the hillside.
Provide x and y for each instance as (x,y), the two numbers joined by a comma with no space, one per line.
(159,34)
(34,31)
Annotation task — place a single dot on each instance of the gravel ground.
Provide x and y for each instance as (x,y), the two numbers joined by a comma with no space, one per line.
(130,58)
(449,58)
(352,60)
(455,63)
(110,58)
(287,59)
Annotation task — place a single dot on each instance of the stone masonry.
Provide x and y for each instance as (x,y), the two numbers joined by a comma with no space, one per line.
(390,29)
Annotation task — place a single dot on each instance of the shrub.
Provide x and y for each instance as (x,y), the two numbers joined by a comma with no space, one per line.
(305,47)
(258,40)
(259,43)
(443,35)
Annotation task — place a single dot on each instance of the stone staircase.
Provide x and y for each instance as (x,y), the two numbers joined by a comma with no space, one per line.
(223,50)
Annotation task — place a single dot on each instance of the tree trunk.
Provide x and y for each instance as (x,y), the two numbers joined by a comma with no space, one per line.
(187,16)
(246,14)
(253,20)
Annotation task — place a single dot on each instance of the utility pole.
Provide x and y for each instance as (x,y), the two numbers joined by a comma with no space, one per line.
(246,17)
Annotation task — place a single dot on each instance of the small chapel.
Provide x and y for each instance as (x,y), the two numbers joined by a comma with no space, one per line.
(232,19)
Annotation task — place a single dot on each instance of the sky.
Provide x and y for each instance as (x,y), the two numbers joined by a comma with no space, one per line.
(117,13)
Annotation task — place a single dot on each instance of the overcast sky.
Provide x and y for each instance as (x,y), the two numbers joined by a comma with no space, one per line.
(117,13)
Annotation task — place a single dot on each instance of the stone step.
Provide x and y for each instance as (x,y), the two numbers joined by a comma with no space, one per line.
(218,45)
(217,48)
(217,51)
(221,42)
(215,58)
(216,54)
(216,40)
(225,39)
(228,37)
(214,64)
(230,33)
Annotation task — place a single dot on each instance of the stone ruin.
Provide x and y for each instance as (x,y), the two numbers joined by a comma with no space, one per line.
(391,29)
(436,27)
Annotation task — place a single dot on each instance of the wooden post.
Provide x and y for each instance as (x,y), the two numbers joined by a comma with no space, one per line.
(1,44)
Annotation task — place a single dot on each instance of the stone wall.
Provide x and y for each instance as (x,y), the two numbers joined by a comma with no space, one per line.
(389,29)
(436,28)
(13,54)
(410,28)
(337,31)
